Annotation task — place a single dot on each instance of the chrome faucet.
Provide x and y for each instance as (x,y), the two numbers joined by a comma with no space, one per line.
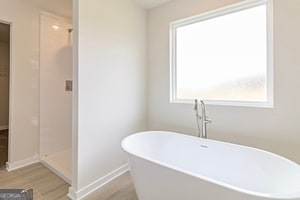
(202,119)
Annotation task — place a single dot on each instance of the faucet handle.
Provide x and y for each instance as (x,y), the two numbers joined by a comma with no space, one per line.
(207,120)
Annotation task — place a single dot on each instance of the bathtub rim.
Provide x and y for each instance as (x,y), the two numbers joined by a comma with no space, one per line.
(288,196)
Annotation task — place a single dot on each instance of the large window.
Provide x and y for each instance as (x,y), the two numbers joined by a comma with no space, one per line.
(224,56)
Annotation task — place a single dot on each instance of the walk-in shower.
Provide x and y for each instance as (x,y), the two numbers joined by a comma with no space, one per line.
(56,94)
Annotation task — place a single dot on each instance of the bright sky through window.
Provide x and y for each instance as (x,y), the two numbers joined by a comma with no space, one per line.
(223,58)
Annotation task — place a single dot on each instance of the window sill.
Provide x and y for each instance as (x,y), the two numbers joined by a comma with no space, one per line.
(269,104)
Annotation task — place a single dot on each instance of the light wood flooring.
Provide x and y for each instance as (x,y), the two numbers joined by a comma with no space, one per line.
(48,186)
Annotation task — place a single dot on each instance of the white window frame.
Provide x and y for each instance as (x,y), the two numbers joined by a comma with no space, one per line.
(216,13)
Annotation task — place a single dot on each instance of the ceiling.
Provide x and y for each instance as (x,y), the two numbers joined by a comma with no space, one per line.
(4,33)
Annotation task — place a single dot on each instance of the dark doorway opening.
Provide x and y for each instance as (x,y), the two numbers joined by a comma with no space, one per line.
(4,91)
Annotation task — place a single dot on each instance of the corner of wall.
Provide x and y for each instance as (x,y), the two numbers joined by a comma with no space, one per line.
(77,195)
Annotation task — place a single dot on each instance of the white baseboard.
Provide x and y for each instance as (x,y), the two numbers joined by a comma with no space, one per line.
(3,128)
(80,194)
(22,163)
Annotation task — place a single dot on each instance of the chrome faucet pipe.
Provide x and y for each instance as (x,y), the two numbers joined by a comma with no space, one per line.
(198,117)
(201,120)
(204,119)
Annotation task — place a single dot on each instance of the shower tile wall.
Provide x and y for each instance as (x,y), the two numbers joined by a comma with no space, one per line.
(55,69)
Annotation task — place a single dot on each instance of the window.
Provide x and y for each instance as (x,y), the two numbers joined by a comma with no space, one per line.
(224,56)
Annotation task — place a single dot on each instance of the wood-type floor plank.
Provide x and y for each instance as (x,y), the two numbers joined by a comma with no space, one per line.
(48,186)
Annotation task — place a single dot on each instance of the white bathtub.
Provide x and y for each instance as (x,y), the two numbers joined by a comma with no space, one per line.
(172,166)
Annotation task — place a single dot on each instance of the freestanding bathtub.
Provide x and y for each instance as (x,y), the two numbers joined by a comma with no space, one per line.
(172,166)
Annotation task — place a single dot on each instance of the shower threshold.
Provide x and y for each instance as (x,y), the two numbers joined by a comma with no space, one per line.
(60,163)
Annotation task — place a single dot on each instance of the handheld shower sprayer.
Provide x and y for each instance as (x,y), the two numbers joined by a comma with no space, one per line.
(196,107)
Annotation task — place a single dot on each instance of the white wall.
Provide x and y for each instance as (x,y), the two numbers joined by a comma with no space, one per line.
(4,84)
(55,69)
(111,85)
(23,138)
(274,129)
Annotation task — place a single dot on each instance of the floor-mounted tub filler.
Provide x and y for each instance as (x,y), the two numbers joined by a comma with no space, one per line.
(172,166)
